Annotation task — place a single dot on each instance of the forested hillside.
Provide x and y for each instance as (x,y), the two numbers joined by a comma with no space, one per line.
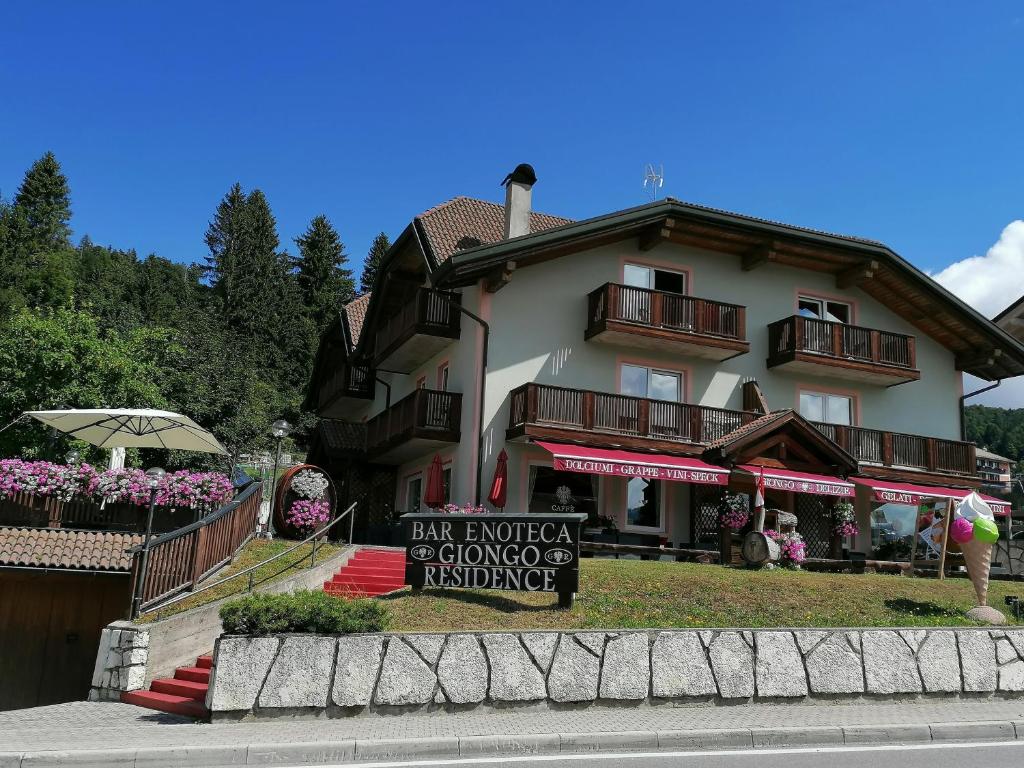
(1000,430)
(229,342)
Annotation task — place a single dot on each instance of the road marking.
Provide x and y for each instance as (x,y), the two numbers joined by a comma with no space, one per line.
(560,756)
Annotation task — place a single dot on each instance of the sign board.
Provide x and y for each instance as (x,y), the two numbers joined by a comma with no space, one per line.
(523,552)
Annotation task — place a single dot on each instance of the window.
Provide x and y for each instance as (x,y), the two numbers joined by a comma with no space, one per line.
(552,490)
(413,493)
(447,475)
(442,377)
(824,309)
(832,409)
(639,381)
(421,382)
(643,504)
(639,276)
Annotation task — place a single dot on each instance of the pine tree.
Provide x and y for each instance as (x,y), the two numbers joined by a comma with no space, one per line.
(224,238)
(373,260)
(323,278)
(44,200)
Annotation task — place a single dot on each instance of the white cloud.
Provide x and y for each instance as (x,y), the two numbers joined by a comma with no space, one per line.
(992,282)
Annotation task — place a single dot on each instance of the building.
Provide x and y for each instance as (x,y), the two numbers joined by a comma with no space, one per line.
(1011,319)
(996,471)
(640,364)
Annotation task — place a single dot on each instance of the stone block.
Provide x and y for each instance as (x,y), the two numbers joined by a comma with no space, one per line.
(886,734)
(974,731)
(808,638)
(514,676)
(133,678)
(242,666)
(977,660)
(372,750)
(834,667)
(592,641)
(626,670)
(134,656)
(356,669)
(913,638)
(711,738)
(779,668)
(300,753)
(732,661)
(541,646)
(1016,637)
(679,666)
(505,746)
(301,673)
(462,670)
(617,741)
(889,664)
(1005,652)
(796,735)
(404,678)
(574,672)
(1011,677)
(429,646)
(939,663)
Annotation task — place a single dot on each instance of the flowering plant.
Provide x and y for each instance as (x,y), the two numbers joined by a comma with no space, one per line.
(309,484)
(467,509)
(844,520)
(205,491)
(792,547)
(43,478)
(308,514)
(734,513)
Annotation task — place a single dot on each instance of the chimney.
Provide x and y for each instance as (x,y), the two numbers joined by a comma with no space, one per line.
(518,186)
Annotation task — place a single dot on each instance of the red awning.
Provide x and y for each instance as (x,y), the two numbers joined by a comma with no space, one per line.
(800,482)
(906,493)
(603,461)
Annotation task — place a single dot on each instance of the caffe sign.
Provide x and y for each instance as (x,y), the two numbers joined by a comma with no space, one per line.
(529,553)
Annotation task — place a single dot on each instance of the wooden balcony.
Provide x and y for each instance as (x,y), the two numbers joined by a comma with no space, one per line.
(545,411)
(348,385)
(898,451)
(822,348)
(424,421)
(640,317)
(422,328)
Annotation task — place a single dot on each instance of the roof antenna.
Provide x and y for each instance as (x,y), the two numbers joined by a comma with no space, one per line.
(654,180)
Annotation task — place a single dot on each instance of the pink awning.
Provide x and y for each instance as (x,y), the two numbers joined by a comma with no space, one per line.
(800,482)
(907,493)
(603,461)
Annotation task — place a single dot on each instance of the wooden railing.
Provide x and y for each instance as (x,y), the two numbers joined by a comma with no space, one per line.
(895,449)
(428,312)
(347,381)
(425,410)
(31,511)
(178,560)
(671,311)
(546,405)
(840,341)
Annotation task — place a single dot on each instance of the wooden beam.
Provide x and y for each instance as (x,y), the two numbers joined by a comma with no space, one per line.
(981,360)
(854,276)
(500,277)
(759,255)
(654,236)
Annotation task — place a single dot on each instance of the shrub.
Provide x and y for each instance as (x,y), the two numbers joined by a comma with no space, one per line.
(304,611)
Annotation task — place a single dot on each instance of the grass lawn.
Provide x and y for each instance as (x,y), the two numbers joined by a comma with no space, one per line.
(254,552)
(633,593)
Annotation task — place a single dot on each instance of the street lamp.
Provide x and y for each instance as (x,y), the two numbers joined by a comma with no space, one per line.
(280,429)
(154,479)
(72,457)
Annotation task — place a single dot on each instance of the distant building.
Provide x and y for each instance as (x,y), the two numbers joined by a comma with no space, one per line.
(995,471)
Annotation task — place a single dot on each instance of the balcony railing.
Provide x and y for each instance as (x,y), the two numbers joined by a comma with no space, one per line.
(895,449)
(636,417)
(426,413)
(347,381)
(429,313)
(810,336)
(648,308)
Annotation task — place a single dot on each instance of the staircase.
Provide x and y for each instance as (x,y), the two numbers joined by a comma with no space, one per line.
(183,694)
(368,573)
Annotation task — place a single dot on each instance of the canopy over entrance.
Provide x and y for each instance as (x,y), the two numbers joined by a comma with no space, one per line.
(907,493)
(131,428)
(800,482)
(604,461)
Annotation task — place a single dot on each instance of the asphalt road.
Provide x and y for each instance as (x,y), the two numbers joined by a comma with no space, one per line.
(948,755)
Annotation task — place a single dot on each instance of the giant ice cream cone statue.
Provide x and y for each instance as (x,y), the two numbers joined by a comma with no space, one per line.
(978,556)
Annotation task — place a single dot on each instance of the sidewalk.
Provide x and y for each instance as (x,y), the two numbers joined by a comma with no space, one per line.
(111,734)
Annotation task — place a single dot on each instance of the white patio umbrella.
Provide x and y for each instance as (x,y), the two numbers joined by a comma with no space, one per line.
(131,428)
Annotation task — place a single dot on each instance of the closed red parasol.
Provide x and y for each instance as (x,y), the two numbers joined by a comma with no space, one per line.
(434,496)
(499,485)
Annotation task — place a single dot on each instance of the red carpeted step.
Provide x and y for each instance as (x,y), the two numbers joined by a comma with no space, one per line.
(205,662)
(187,688)
(376,570)
(196,674)
(166,702)
(371,578)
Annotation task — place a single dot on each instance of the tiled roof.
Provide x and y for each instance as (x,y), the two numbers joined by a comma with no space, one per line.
(54,548)
(746,429)
(342,436)
(464,222)
(355,312)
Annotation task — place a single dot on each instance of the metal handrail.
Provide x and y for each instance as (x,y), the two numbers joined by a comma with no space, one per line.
(313,537)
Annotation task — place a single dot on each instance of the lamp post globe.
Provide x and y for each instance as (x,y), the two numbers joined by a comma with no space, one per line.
(155,476)
(72,457)
(280,429)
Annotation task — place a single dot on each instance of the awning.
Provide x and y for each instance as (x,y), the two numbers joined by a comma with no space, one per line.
(603,461)
(800,482)
(907,493)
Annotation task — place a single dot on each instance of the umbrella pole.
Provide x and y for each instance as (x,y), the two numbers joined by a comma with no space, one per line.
(140,582)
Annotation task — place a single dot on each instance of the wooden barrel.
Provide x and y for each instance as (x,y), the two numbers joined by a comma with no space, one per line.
(284,497)
(759,549)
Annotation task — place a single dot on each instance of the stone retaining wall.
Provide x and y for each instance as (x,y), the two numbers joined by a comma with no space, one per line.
(356,674)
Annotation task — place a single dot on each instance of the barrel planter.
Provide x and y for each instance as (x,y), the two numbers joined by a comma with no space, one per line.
(284,497)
